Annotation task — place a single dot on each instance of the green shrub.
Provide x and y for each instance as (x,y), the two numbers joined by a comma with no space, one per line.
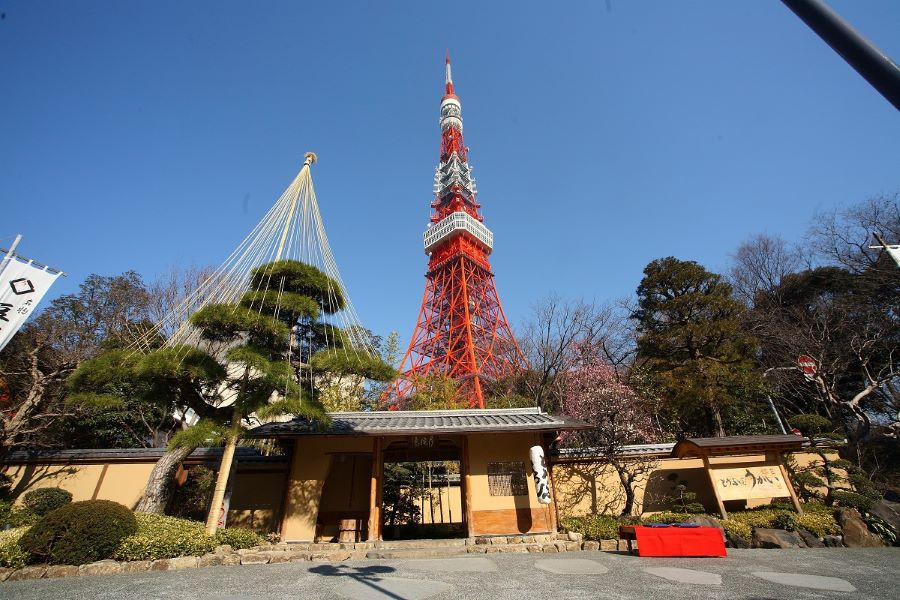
(159,536)
(785,521)
(16,516)
(238,538)
(667,517)
(11,554)
(79,533)
(860,502)
(737,528)
(44,500)
(192,499)
(593,527)
(816,518)
(882,528)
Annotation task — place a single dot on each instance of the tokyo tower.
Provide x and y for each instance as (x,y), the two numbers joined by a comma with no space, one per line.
(461,332)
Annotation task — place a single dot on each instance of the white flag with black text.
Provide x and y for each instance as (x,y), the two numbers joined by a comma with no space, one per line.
(22,285)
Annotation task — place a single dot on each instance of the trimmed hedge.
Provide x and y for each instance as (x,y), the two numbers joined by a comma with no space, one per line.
(79,533)
(159,536)
(239,538)
(816,518)
(593,527)
(17,516)
(44,500)
(11,554)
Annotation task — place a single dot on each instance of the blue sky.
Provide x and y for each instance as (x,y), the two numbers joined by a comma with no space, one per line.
(603,134)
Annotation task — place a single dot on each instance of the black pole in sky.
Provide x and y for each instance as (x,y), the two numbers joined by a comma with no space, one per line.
(869,61)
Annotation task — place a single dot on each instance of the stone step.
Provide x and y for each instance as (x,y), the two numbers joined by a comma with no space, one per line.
(404,544)
(431,552)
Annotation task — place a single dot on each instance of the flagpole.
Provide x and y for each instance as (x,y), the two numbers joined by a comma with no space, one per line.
(11,252)
(12,249)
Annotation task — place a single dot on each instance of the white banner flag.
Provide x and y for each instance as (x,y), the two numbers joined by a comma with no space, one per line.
(22,285)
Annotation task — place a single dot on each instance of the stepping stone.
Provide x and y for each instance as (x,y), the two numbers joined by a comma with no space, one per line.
(815,582)
(571,566)
(390,588)
(458,565)
(685,575)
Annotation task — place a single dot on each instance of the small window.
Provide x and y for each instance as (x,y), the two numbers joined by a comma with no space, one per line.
(507,479)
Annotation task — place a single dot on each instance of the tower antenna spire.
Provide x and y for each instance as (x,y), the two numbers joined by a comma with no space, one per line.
(449,74)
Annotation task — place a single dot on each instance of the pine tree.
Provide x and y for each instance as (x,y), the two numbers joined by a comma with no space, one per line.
(691,337)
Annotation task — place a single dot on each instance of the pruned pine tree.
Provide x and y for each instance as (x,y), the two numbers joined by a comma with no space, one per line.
(177,379)
(267,343)
(692,340)
(262,356)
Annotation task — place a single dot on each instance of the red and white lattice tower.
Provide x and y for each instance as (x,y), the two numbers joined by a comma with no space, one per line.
(461,332)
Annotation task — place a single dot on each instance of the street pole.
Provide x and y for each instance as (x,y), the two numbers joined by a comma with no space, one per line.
(769,398)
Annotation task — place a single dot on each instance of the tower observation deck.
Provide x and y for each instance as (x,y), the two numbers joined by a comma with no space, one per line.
(461,331)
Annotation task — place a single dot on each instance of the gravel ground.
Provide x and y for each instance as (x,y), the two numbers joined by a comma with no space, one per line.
(750,574)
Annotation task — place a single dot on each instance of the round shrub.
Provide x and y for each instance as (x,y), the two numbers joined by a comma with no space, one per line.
(159,536)
(79,533)
(860,502)
(238,538)
(43,500)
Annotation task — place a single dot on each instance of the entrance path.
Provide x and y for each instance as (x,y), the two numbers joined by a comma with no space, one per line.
(745,574)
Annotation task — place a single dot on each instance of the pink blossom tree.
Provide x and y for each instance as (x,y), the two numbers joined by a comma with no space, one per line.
(620,417)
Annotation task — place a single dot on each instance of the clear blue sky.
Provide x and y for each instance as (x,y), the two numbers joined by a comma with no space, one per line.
(604,134)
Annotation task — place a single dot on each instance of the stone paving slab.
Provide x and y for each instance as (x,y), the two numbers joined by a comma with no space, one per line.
(815,582)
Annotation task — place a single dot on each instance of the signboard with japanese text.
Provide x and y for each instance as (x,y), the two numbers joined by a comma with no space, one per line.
(22,285)
(744,483)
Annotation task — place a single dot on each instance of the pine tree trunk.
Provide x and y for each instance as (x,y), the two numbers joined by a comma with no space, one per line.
(212,519)
(720,427)
(159,485)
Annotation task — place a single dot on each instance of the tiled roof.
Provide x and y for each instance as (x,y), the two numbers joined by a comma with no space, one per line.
(630,450)
(93,455)
(403,422)
(735,444)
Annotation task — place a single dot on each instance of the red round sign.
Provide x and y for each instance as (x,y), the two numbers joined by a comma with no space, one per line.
(807,364)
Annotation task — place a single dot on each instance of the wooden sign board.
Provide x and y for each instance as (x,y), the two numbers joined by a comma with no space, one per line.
(744,483)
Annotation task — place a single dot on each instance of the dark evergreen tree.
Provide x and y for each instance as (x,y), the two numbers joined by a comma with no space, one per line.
(692,341)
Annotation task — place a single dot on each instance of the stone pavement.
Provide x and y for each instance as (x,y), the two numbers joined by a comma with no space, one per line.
(747,574)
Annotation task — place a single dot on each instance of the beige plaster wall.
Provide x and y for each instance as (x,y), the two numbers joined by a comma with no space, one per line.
(256,500)
(594,488)
(504,514)
(120,482)
(309,469)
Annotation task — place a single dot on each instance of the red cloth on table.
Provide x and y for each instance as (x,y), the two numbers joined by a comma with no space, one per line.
(679,541)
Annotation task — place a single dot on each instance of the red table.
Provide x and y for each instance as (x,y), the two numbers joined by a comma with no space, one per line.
(675,541)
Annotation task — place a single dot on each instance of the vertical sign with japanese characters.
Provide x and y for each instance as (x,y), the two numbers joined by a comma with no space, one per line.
(22,285)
